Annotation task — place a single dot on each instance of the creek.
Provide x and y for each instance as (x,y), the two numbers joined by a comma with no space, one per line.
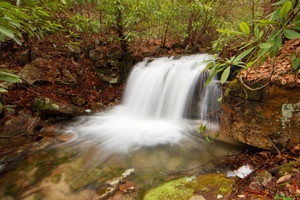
(153,132)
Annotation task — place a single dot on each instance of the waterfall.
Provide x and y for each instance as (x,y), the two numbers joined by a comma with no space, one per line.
(160,94)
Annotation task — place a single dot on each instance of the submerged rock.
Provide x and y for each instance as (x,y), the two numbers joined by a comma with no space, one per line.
(21,125)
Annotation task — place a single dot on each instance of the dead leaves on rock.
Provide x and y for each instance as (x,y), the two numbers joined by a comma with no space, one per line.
(278,70)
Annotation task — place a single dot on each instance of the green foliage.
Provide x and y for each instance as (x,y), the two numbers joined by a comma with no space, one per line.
(283,197)
(7,76)
(83,24)
(33,20)
(281,22)
(201,128)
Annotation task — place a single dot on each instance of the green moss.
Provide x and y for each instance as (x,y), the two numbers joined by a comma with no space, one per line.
(56,178)
(42,171)
(287,168)
(11,190)
(216,183)
(178,189)
(38,196)
(182,189)
(235,84)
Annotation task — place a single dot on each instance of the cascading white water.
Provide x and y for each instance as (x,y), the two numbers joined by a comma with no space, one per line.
(158,94)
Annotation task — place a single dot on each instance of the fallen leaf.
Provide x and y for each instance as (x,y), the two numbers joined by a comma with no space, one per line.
(284,178)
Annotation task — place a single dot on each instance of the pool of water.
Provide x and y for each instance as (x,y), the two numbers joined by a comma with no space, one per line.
(84,170)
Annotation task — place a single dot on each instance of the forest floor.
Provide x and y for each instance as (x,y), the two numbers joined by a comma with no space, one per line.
(92,89)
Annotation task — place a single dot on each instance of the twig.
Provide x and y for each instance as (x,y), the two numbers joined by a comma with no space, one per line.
(272,143)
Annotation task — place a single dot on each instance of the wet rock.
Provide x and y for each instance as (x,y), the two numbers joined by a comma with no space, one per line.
(197,197)
(21,125)
(66,137)
(98,106)
(78,177)
(49,107)
(66,79)
(56,178)
(78,101)
(127,187)
(270,115)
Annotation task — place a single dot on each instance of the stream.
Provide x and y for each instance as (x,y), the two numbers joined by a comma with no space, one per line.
(148,139)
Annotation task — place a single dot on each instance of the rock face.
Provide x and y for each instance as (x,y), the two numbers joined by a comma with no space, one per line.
(270,115)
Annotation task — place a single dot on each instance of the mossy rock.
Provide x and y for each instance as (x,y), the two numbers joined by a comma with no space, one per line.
(214,183)
(56,178)
(287,168)
(179,189)
(11,190)
(209,186)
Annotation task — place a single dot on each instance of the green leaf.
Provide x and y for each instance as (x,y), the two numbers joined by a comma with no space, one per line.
(266,22)
(230,32)
(249,64)
(4,76)
(3,90)
(261,34)
(217,134)
(285,9)
(207,138)
(244,54)
(6,32)
(295,63)
(275,15)
(265,45)
(245,28)
(262,52)
(256,32)
(289,34)
(225,75)
(201,128)
(279,2)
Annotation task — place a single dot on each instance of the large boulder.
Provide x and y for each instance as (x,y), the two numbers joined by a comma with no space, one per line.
(50,108)
(33,72)
(268,118)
